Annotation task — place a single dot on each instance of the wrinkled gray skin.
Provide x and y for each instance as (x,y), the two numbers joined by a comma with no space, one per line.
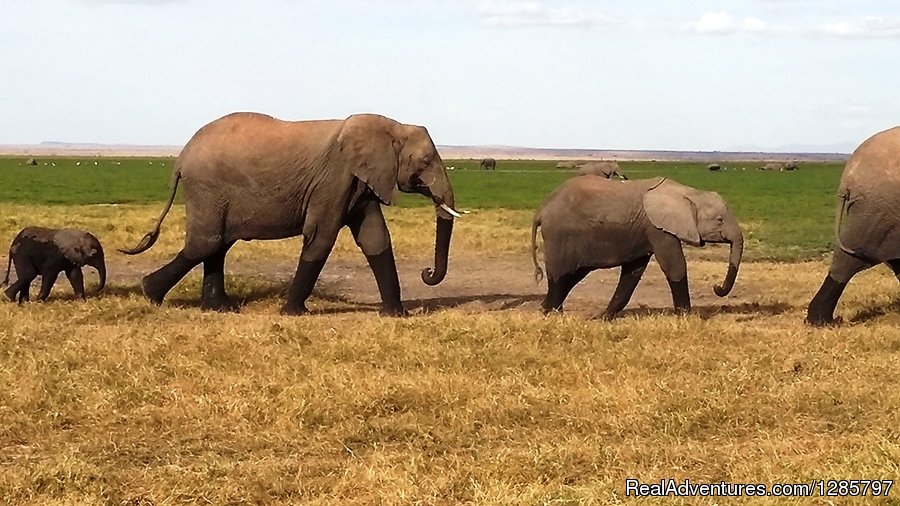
(45,252)
(250,176)
(608,170)
(488,164)
(867,230)
(593,223)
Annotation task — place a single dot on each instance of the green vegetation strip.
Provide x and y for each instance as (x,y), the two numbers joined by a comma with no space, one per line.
(786,215)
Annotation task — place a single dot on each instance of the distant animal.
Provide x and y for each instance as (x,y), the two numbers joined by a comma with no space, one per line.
(250,176)
(867,229)
(31,162)
(713,167)
(607,169)
(45,252)
(591,223)
(488,164)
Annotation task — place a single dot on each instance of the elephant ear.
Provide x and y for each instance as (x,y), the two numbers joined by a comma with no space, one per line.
(669,210)
(370,149)
(74,246)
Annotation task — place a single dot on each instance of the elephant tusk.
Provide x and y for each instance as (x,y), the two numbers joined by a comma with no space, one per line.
(450,211)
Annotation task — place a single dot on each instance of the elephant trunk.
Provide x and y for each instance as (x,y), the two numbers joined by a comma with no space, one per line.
(442,195)
(100,265)
(734,263)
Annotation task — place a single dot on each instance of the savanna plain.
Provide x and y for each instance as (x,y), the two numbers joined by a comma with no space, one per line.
(476,398)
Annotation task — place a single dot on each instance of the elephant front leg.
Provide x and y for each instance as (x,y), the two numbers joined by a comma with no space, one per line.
(670,256)
(628,281)
(371,235)
(48,278)
(76,279)
(312,260)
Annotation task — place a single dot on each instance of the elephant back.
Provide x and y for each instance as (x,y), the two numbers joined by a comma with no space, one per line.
(874,165)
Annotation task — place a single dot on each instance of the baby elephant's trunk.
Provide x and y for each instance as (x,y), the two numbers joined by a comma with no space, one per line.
(100,265)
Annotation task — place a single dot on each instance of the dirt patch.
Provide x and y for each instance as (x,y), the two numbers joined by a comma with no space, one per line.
(480,284)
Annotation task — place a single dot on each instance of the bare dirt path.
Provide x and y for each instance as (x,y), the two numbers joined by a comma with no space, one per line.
(480,284)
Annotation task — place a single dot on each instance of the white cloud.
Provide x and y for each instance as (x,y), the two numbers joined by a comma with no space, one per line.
(518,13)
(725,23)
(872,27)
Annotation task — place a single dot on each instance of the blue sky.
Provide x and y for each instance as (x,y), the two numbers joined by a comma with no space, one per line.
(699,75)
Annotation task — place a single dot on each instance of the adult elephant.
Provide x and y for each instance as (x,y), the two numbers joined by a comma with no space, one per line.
(251,176)
(607,169)
(488,164)
(867,230)
(592,223)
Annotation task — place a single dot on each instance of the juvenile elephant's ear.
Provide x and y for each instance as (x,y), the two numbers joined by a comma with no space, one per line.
(369,147)
(669,210)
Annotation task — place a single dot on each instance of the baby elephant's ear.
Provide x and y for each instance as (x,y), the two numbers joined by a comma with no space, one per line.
(671,211)
(74,246)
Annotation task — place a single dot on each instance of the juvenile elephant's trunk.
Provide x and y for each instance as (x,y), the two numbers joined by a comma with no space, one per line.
(444,202)
(734,263)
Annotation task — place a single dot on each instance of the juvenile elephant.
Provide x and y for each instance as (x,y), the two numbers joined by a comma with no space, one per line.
(607,169)
(45,252)
(592,223)
(250,176)
(488,164)
(867,230)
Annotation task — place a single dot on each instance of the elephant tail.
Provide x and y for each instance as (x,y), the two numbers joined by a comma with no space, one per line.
(538,272)
(151,237)
(8,265)
(845,198)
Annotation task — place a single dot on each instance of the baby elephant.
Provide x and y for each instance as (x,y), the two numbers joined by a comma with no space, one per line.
(46,252)
(593,223)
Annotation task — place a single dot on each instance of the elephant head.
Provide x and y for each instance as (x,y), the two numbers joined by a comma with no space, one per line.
(82,248)
(696,217)
(386,156)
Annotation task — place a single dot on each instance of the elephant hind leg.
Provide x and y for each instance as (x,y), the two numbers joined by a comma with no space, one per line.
(558,288)
(895,266)
(213,296)
(317,244)
(25,274)
(843,268)
(158,283)
(628,281)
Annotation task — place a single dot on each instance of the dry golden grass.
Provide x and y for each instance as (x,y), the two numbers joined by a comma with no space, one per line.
(115,401)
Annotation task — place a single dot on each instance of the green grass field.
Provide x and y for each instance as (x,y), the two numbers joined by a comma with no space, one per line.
(786,215)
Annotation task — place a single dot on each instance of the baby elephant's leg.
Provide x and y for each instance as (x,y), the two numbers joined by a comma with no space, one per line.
(25,274)
(48,277)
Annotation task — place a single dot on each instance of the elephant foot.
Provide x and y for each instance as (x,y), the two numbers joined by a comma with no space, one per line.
(392,310)
(152,292)
(294,310)
(824,322)
(222,305)
(608,316)
(11,295)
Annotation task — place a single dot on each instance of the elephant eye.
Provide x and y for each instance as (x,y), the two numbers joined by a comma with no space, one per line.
(720,219)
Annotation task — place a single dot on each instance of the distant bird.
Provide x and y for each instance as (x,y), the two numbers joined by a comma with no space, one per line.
(77,163)
(95,163)
(53,164)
